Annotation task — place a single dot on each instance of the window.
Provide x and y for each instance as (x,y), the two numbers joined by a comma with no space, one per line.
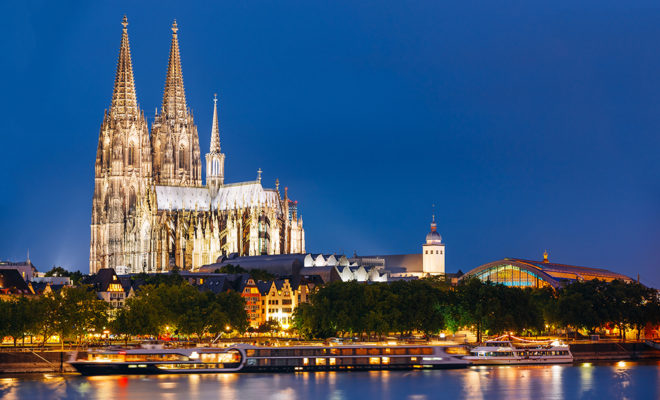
(131,154)
(182,158)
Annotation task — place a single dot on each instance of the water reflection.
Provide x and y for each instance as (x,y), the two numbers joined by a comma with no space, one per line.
(619,380)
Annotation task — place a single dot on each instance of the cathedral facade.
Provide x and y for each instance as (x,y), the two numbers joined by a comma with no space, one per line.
(150,210)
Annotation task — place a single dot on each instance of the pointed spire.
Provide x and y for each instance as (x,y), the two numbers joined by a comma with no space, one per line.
(124,100)
(174,97)
(215,130)
(433,225)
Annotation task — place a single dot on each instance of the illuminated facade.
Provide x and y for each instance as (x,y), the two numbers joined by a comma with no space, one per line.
(522,273)
(433,252)
(150,210)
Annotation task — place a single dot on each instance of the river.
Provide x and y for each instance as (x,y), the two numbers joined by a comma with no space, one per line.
(623,380)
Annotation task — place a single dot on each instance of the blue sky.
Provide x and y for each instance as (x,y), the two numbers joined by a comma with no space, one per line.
(530,125)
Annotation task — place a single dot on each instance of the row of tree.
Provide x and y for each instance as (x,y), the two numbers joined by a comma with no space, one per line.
(172,308)
(429,305)
(181,309)
(70,313)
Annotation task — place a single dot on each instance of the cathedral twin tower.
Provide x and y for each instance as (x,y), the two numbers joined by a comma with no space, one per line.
(151,212)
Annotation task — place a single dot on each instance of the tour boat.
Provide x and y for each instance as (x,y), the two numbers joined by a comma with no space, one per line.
(505,352)
(249,358)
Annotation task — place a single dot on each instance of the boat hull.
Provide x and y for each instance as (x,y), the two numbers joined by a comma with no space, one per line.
(517,361)
(93,369)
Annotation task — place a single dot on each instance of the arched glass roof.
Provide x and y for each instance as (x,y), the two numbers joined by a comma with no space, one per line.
(526,273)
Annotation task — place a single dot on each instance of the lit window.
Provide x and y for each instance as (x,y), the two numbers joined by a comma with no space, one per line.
(374,360)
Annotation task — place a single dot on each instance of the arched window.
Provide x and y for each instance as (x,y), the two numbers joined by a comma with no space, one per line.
(182,157)
(132,200)
(131,154)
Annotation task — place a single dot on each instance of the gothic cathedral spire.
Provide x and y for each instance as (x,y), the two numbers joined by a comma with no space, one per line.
(215,160)
(215,130)
(123,171)
(124,100)
(176,154)
(174,97)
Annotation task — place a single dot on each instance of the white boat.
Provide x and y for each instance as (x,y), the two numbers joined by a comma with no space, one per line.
(506,353)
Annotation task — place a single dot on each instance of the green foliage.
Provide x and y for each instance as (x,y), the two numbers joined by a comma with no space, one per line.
(429,305)
(592,304)
(256,274)
(232,269)
(183,309)
(75,276)
(18,317)
(261,275)
(173,278)
(374,309)
(270,326)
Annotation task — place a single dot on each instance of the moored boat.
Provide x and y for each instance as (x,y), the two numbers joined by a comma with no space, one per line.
(505,352)
(249,358)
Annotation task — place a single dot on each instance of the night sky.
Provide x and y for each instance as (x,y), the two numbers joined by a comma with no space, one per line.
(530,125)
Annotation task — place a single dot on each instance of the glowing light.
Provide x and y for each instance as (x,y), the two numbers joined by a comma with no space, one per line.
(194,355)
(586,365)
(621,364)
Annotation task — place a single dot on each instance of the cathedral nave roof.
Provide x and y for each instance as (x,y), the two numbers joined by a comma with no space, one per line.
(229,196)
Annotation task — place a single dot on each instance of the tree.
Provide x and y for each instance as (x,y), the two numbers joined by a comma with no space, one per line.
(138,317)
(21,317)
(81,312)
(271,326)
(232,269)
(75,276)
(583,305)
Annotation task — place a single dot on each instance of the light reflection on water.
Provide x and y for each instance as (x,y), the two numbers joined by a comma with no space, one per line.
(603,381)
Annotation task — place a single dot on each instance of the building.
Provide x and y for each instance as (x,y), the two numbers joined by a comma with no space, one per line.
(433,252)
(109,288)
(151,210)
(430,262)
(25,268)
(249,291)
(278,301)
(519,272)
(42,288)
(13,284)
(52,280)
(330,267)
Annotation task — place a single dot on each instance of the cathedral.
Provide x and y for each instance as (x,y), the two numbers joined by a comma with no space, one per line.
(150,210)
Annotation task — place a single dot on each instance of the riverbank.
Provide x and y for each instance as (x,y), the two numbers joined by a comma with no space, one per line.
(26,362)
(613,351)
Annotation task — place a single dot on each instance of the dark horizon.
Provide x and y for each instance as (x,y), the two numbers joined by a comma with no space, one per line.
(530,130)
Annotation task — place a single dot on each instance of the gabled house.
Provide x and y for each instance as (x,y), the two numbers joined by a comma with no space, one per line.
(13,284)
(249,291)
(109,288)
